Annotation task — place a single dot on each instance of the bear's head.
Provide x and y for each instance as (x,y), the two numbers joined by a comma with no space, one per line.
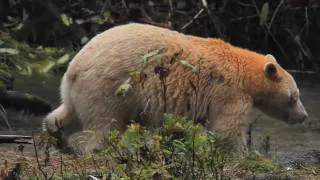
(279,96)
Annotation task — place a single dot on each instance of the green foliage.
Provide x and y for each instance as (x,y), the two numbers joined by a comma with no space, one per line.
(23,59)
(146,57)
(186,64)
(65,19)
(264,14)
(124,88)
(255,162)
(179,149)
(165,152)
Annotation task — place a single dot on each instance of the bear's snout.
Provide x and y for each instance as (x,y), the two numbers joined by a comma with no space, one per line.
(298,115)
(299,118)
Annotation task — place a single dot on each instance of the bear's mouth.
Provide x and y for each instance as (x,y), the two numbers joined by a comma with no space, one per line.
(297,119)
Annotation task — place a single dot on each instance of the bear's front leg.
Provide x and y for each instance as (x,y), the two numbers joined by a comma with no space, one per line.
(231,121)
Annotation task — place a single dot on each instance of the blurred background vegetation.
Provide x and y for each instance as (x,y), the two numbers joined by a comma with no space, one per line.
(289,29)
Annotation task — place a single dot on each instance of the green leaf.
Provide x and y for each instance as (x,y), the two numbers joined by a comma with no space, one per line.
(79,21)
(199,140)
(195,69)
(25,69)
(28,96)
(146,57)
(123,88)
(50,50)
(64,59)
(66,19)
(12,19)
(135,74)
(32,56)
(9,51)
(264,14)
(43,67)
(169,120)
(186,64)
(19,26)
(84,40)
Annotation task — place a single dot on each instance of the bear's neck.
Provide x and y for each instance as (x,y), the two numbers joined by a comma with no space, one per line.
(244,68)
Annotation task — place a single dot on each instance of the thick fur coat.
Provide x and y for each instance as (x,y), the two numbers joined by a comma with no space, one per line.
(229,83)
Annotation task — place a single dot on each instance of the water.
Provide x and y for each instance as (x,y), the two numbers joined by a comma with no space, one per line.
(47,88)
(298,143)
(287,143)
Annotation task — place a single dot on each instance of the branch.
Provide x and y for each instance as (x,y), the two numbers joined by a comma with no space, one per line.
(244,18)
(269,32)
(256,7)
(194,18)
(171,8)
(275,13)
(294,71)
(24,101)
(303,7)
(14,139)
(213,19)
(244,4)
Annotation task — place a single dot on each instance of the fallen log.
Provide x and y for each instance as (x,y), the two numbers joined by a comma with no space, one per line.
(15,139)
(24,101)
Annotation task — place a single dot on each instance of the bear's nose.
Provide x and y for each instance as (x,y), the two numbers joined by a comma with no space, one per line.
(297,118)
(304,116)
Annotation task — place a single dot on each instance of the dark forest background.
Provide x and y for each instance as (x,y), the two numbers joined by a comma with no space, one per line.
(288,29)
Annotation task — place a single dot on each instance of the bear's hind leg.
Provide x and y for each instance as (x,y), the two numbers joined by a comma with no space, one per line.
(57,120)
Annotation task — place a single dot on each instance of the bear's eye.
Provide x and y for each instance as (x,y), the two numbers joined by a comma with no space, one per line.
(293,98)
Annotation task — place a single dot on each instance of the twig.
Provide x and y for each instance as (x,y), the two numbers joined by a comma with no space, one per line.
(244,4)
(277,42)
(303,7)
(305,50)
(249,132)
(193,153)
(105,4)
(69,6)
(244,18)
(214,21)
(270,33)
(124,4)
(61,166)
(275,13)
(164,85)
(301,72)
(256,7)
(14,138)
(3,115)
(37,158)
(307,20)
(194,18)
(195,116)
(145,14)
(171,8)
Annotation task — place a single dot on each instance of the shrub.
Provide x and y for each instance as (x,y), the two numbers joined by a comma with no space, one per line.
(178,149)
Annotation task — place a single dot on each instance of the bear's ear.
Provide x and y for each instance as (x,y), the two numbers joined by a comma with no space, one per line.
(271,58)
(270,70)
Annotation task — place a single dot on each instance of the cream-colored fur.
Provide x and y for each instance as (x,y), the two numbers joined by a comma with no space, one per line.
(231,82)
